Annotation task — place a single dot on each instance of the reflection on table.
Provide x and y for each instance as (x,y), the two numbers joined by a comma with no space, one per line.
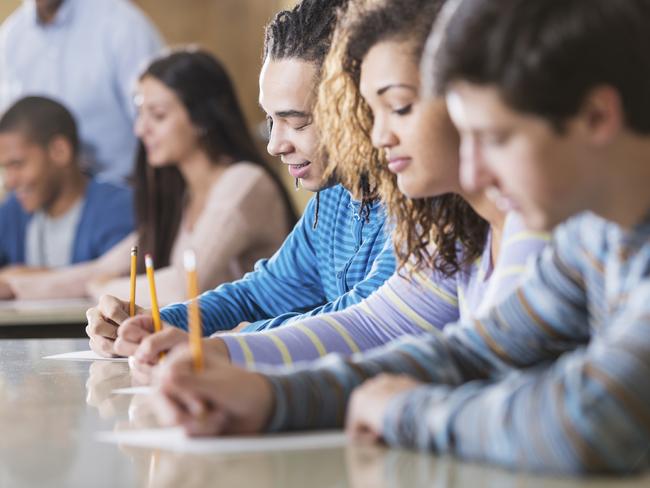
(50,411)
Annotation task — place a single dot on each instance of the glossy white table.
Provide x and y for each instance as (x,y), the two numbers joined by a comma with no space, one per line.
(50,411)
(43,318)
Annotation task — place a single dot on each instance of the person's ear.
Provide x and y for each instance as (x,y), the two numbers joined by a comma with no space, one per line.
(601,115)
(60,151)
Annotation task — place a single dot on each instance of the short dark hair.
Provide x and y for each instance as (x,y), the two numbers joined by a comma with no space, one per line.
(41,120)
(303,32)
(545,56)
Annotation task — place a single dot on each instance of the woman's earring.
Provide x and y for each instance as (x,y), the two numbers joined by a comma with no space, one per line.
(297,184)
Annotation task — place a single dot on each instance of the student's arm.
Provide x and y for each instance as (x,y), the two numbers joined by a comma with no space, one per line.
(543,318)
(586,412)
(289,280)
(72,282)
(408,304)
(403,305)
(382,268)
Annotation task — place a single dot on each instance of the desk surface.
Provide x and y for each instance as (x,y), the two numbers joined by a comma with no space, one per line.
(50,410)
(43,318)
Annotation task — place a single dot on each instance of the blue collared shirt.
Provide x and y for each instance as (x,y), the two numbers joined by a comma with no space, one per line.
(87,58)
(317,270)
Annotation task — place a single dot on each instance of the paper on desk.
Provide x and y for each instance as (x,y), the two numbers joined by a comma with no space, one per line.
(134,390)
(84,356)
(174,439)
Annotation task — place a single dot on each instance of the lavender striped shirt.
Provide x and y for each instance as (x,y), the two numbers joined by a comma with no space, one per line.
(405,305)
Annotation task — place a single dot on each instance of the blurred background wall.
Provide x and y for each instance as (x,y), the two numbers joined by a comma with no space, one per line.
(231,29)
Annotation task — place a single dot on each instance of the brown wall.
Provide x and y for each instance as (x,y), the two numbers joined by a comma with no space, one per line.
(231,29)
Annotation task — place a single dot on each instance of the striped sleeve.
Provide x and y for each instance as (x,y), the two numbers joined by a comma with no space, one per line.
(383,266)
(405,305)
(270,290)
(590,406)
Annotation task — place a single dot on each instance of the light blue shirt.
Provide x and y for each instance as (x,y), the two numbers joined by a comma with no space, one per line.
(87,58)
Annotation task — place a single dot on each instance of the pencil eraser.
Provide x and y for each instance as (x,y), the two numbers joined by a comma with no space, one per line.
(189,259)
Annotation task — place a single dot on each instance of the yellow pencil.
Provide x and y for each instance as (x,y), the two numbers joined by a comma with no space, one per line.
(134,264)
(196,333)
(155,311)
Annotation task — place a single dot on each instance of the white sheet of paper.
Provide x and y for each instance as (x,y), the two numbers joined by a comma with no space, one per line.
(174,439)
(84,356)
(135,390)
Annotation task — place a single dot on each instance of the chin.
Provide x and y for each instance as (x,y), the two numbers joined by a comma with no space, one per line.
(313,184)
(414,189)
(158,162)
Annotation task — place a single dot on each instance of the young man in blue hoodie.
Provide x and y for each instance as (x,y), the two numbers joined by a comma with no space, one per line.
(54,215)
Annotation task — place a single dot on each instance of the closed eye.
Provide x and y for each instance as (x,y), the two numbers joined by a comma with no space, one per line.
(403,110)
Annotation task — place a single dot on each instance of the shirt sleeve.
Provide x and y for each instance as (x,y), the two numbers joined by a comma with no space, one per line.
(485,377)
(382,268)
(590,408)
(72,281)
(289,280)
(406,304)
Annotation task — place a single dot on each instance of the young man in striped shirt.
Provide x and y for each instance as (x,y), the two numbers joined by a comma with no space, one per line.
(338,253)
(556,121)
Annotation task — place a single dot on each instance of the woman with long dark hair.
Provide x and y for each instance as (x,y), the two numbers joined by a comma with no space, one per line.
(200,183)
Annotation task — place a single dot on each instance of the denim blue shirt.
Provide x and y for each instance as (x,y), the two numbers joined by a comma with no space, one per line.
(87,58)
(317,270)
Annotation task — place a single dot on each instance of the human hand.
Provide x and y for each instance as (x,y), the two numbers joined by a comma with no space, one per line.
(369,403)
(103,321)
(220,399)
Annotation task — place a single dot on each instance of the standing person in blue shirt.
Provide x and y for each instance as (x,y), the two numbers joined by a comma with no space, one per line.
(55,215)
(557,123)
(86,54)
(338,253)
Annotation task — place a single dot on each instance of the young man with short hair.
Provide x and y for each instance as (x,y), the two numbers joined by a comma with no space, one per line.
(55,215)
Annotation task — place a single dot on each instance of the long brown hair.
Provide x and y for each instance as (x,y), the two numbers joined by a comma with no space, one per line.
(203,86)
(427,231)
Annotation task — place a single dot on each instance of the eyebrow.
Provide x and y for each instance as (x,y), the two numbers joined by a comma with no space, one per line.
(286,114)
(384,89)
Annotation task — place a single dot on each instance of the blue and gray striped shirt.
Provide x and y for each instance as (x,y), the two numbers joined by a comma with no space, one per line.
(555,378)
(337,264)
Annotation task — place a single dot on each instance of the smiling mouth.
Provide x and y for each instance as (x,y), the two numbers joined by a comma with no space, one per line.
(299,170)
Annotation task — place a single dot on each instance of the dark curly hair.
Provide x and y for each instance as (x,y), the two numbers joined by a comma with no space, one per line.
(305,32)
(442,232)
